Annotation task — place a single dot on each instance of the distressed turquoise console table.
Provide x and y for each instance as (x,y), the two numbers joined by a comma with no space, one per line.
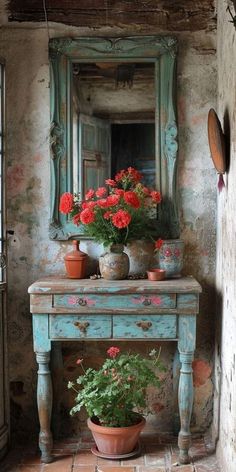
(67,309)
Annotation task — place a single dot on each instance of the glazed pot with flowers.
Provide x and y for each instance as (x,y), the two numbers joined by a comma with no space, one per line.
(115,397)
(114,215)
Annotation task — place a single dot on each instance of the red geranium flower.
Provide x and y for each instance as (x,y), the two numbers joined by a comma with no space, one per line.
(101,191)
(110,182)
(156,196)
(113,351)
(66,203)
(119,191)
(132,199)
(158,243)
(119,176)
(87,216)
(91,204)
(79,361)
(121,219)
(102,202)
(113,200)
(135,175)
(89,194)
(76,219)
(107,215)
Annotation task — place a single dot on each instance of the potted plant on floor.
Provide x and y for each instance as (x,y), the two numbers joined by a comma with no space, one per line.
(114,397)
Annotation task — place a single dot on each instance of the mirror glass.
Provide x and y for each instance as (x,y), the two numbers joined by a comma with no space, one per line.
(113,122)
(113,106)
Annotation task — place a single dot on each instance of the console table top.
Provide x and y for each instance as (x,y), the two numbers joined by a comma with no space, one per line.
(62,284)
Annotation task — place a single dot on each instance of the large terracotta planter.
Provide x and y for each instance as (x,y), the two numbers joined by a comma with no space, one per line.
(116,441)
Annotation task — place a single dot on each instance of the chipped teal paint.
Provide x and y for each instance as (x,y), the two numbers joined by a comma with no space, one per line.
(139,321)
(187,333)
(118,302)
(186,346)
(152,326)
(187,302)
(42,342)
(44,401)
(75,327)
(162,52)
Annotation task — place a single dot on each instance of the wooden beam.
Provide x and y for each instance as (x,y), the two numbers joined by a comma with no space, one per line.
(170,15)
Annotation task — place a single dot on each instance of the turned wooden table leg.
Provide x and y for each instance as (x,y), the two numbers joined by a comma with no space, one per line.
(44,399)
(185,405)
(186,346)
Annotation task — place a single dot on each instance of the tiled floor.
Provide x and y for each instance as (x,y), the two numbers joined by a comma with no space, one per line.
(158,454)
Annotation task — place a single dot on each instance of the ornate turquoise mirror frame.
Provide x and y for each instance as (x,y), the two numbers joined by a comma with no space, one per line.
(64,52)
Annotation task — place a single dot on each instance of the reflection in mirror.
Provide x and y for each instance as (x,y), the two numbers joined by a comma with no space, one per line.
(113,105)
(113,122)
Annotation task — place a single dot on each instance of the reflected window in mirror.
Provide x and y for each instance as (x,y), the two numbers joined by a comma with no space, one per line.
(113,122)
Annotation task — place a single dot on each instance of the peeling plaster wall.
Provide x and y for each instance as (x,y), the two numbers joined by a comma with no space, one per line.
(225,392)
(32,254)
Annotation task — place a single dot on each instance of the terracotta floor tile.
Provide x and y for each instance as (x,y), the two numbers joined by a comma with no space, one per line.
(85,457)
(110,462)
(131,462)
(183,468)
(115,469)
(157,456)
(84,468)
(60,464)
(147,468)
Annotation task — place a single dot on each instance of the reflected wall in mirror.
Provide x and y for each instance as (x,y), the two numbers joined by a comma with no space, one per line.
(113,106)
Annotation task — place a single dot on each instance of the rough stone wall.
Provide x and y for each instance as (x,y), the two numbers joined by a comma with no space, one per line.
(225,389)
(32,254)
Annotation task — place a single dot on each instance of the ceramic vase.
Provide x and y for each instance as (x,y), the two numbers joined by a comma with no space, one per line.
(75,262)
(171,257)
(114,264)
(141,255)
(116,441)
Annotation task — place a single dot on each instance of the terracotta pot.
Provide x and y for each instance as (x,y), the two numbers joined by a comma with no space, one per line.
(114,264)
(141,254)
(75,262)
(156,274)
(171,256)
(116,440)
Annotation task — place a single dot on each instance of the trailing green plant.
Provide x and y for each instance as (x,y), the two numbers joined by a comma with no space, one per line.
(113,392)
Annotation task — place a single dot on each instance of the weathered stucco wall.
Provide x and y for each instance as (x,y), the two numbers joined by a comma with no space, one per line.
(225,393)
(32,254)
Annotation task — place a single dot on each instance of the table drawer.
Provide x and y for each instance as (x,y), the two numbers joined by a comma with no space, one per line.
(94,303)
(152,326)
(79,326)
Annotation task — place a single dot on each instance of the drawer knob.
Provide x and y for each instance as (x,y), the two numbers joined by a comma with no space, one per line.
(82,325)
(147,302)
(145,325)
(82,302)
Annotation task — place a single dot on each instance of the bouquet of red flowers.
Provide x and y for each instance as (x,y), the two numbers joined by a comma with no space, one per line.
(116,213)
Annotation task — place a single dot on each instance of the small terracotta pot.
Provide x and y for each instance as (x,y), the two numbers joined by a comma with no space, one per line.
(156,274)
(75,262)
(111,440)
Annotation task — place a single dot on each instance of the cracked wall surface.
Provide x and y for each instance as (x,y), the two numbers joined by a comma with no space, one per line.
(225,350)
(31,253)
